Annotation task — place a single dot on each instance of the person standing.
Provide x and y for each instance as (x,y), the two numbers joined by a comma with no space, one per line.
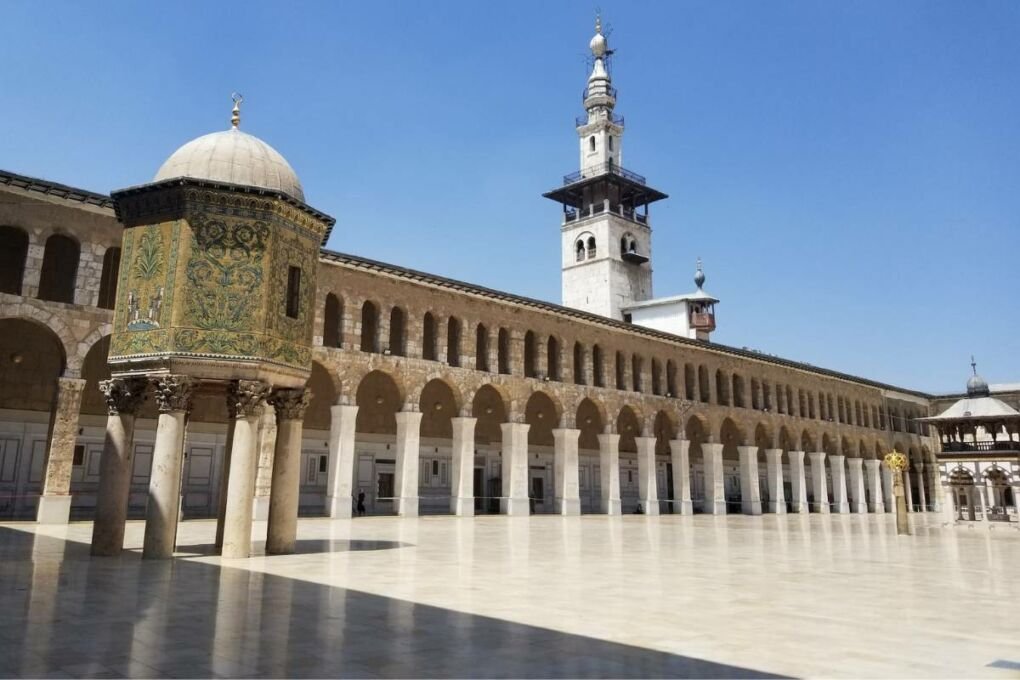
(361,502)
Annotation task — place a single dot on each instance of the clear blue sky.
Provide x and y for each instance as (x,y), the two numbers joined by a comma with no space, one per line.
(848,171)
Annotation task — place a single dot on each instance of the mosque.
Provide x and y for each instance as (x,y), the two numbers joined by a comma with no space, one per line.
(188,348)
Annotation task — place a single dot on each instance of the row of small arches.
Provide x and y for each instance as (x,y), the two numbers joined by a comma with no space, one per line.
(585,247)
(59,272)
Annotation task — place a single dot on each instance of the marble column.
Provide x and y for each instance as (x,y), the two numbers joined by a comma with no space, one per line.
(55,503)
(798,483)
(566,472)
(680,452)
(922,493)
(405,479)
(887,487)
(173,397)
(837,466)
(123,397)
(750,492)
(936,485)
(774,474)
(245,400)
(514,496)
(462,486)
(340,478)
(609,473)
(648,490)
(715,495)
(874,480)
(858,503)
(221,498)
(908,493)
(285,494)
(948,507)
(819,486)
(264,456)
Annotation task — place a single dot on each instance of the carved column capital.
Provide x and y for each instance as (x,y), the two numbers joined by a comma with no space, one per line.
(290,404)
(123,395)
(173,393)
(245,398)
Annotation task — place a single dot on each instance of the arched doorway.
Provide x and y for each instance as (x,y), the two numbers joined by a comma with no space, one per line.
(378,399)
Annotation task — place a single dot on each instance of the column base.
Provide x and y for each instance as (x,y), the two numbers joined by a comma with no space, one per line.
(821,508)
(800,508)
(463,507)
(842,508)
(517,507)
(407,507)
(777,507)
(53,510)
(260,508)
(686,507)
(339,507)
(877,508)
(750,508)
(613,506)
(568,507)
(715,507)
(650,508)
(859,508)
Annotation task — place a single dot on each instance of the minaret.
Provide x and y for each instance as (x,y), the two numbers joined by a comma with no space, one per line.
(606,235)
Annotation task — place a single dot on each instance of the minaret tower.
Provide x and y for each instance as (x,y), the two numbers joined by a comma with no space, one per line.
(606,234)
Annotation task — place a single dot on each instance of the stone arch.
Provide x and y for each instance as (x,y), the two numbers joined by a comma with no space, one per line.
(325,391)
(552,358)
(94,367)
(490,406)
(664,428)
(378,397)
(70,357)
(786,442)
(828,444)
(846,448)
(722,388)
(438,403)
(862,450)
(542,412)
(59,272)
(739,397)
(33,359)
(763,436)
(397,341)
(628,426)
(807,441)
(333,321)
(731,435)
(590,419)
(369,326)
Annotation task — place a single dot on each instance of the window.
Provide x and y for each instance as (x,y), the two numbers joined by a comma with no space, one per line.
(553,359)
(397,332)
(453,342)
(332,322)
(59,269)
(591,247)
(108,281)
(596,367)
(293,291)
(428,340)
(369,328)
(579,256)
(610,140)
(503,351)
(481,348)
(13,251)
(591,143)
(621,383)
(578,364)
(530,368)
(79,455)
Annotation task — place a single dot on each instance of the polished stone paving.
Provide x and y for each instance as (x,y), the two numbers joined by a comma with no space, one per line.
(634,596)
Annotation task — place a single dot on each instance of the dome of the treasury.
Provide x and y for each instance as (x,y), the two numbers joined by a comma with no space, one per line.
(233,157)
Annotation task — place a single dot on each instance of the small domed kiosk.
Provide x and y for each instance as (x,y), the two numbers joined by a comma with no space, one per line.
(216,295)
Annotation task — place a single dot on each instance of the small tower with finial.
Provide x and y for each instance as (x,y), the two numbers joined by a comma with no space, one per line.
(689,316)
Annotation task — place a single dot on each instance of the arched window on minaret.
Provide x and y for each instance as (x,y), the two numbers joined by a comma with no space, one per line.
(591,247)
(580,251)
(591,143)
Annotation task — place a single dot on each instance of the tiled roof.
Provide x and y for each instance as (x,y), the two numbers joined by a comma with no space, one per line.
(49,188)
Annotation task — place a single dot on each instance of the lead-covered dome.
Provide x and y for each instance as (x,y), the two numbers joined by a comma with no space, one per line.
(234,157)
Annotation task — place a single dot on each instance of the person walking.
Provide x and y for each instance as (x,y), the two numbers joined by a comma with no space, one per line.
(361,502)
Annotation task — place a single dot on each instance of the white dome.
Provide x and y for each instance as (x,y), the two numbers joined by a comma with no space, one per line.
(598,45)
(234,157)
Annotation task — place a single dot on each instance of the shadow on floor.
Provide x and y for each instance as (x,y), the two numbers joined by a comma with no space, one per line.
(304,547)
(66,614)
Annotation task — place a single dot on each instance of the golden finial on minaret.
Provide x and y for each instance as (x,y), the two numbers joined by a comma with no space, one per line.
(235,118)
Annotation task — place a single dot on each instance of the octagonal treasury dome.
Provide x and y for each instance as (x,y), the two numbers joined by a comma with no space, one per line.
(233,157)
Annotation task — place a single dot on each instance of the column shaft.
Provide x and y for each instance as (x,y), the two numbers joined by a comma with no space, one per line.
(750,492)
(774,473)
(55,502)
(462,491)
(837,466)
(566,472)
(514,497)
(648,490)
(609,473)
(123,396)
(221,496)
(922,493)
(798,482)
(284,501)
(874,480)
(246,398)
(715,494)
(406,473)
(340,479)
(857,495)
(908,493)
(173,396)
(680,451)
(265,455)
(819,486)
(887,487)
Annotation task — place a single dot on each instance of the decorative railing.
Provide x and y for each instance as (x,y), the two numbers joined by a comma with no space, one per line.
(609,92)
(583,120)
(980,447)
(602,169)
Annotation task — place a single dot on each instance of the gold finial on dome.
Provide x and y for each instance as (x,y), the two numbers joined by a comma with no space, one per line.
(235,117)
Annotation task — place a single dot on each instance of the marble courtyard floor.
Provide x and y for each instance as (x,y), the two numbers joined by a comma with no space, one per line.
(545,596)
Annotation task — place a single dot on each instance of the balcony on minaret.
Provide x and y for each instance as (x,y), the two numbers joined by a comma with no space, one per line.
(605,188)
(702,316)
